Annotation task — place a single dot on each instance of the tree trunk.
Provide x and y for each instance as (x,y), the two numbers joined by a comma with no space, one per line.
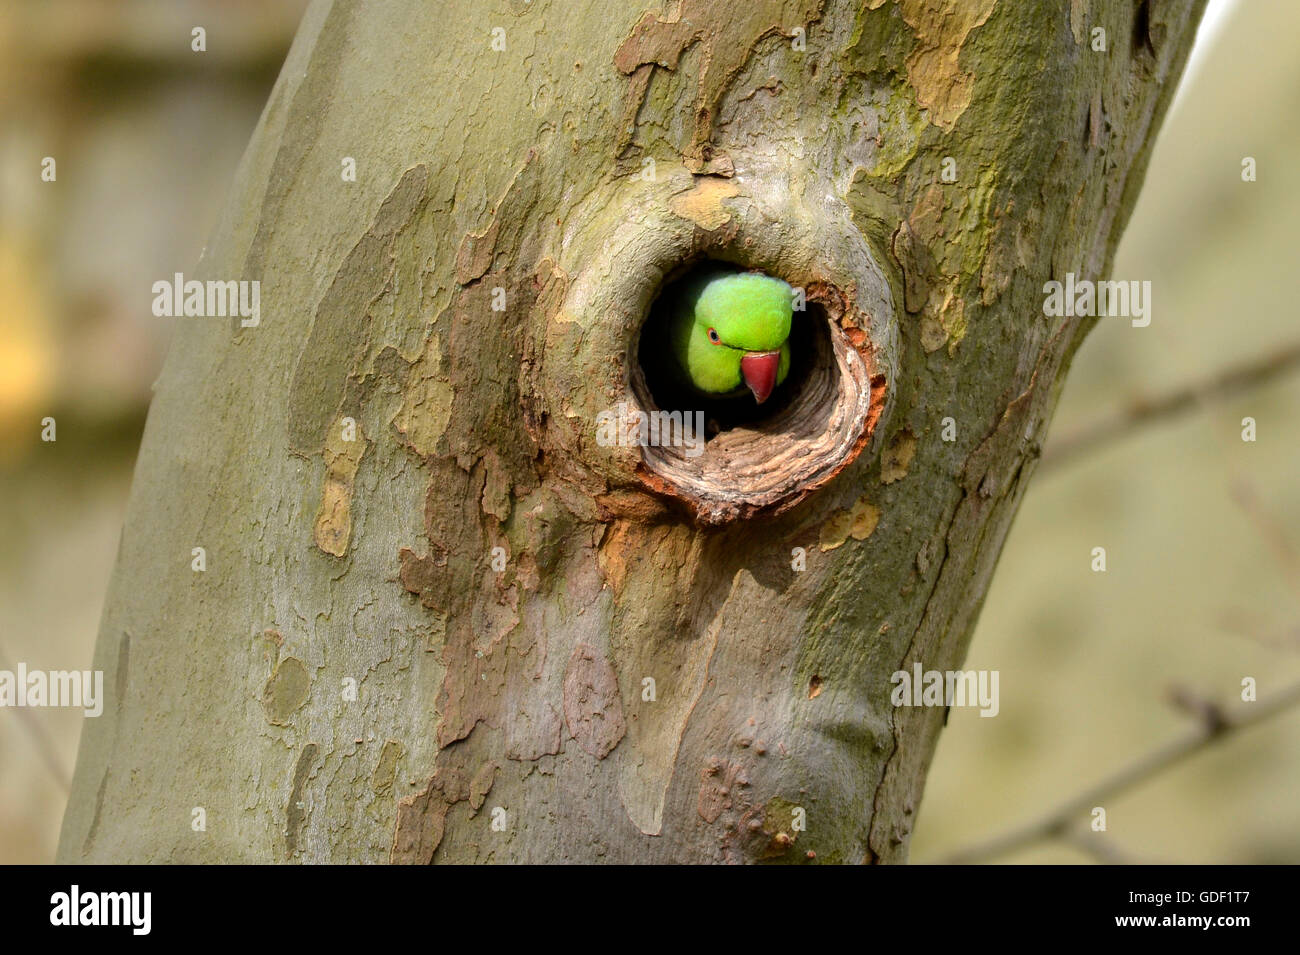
(478,633)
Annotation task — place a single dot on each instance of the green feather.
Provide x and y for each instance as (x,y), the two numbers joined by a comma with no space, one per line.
(749,312)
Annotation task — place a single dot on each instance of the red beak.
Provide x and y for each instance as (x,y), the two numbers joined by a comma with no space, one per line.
(759,369)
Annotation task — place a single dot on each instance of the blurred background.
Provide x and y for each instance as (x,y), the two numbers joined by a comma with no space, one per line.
(146,135)
(1201,529)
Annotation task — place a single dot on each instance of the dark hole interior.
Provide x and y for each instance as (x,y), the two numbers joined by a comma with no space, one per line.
(664,380)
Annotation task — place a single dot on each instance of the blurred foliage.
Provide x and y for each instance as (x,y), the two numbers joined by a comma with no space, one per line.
(146,134)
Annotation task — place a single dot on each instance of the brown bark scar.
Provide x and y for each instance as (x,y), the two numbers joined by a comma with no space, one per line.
(703,204)
(622,543)
(333,528)
(593,710)
(419,827)
(858,522)
(496,500)
(422,816)
(897,457)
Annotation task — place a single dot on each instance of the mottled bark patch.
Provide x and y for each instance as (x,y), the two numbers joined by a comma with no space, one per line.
(775,834)
(344,449)
(718,781)
(340,324)
(703,204)
(286,690)
(422,816)
(897,457)
(942,27)
(474,255)
(296,811)
(420,820)
(592,708)
(749,830)
(381,780)
(728,34)
(933,266)
(857,522)
(426,405)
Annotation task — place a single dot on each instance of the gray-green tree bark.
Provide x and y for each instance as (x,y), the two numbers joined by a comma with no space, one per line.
(469,631)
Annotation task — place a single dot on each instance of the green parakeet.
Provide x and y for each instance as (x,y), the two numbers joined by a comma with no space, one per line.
(730,331)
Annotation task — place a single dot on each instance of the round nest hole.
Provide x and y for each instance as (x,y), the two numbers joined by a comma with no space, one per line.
(754,457)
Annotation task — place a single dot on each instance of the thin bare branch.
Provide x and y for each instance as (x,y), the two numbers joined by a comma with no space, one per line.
(1213,725)
(1246,496)
(1180,401)
(1100,847)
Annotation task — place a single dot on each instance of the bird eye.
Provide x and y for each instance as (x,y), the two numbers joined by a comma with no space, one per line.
(713,337)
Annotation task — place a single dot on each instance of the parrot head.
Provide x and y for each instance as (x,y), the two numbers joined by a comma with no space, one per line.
(732,332)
